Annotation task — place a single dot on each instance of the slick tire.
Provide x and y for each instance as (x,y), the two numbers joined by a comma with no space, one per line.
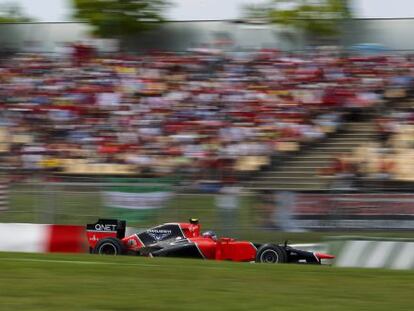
(271,253)
(109,247)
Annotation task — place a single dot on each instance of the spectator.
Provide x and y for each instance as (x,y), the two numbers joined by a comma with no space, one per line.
(162,112)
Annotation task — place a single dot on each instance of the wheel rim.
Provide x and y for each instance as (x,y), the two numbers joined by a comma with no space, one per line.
(269,256)
(108,249)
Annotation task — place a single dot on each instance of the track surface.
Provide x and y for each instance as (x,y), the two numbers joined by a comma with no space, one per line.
(85,282)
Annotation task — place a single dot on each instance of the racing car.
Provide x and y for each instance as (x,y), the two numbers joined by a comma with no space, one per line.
(107,237)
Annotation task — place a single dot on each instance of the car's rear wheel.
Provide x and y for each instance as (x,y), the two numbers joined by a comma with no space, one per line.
(109,246)
(270,253)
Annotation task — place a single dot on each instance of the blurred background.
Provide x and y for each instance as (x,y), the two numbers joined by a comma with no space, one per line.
(265,119)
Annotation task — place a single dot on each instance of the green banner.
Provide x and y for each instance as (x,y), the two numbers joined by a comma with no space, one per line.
(137,199)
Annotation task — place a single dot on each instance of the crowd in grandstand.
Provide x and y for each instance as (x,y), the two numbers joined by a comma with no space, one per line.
(201,112)
(390,153)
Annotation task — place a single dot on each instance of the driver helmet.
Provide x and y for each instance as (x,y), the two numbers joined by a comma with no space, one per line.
(210,234)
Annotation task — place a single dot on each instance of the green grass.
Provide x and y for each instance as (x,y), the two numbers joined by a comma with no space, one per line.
(38,282)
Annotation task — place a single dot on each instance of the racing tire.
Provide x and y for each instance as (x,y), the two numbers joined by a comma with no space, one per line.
(271,253)
(109,246)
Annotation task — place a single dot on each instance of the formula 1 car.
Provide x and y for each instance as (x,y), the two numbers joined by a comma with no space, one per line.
(107,237)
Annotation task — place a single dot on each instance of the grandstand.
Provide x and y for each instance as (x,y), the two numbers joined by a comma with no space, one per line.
(166,114)
(309,169)
(315,123)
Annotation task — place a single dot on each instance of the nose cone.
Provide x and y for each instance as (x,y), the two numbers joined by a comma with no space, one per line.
(324,256)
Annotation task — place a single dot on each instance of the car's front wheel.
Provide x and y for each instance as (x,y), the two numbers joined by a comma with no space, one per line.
(270,253)
(109,246)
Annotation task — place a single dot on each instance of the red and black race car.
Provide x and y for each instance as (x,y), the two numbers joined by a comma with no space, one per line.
(107,237)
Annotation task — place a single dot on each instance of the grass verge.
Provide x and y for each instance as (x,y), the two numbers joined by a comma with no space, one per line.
(43,282)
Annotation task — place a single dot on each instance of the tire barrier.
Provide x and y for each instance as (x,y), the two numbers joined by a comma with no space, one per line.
(360,252)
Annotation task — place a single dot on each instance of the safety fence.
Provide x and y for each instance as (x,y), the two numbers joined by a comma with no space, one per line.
(232,209)
(355,211)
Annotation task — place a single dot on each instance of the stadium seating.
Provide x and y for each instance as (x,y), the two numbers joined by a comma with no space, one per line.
(162,113)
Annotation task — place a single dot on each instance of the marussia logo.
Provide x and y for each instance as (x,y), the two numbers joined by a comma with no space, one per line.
(159,234)
(94,238)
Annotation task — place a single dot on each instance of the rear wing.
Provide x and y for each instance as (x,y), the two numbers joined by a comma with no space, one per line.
(105,228)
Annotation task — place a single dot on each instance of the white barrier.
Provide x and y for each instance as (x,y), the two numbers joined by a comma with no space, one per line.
(373,253)
(23,238)
(39,238)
